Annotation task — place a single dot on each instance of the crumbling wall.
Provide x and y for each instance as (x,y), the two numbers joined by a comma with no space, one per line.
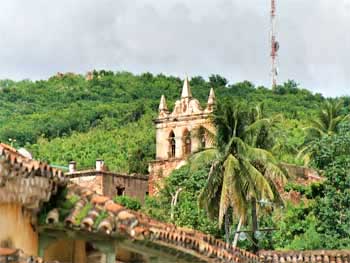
(17,229)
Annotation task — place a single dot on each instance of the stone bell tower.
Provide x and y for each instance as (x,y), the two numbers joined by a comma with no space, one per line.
(178,134)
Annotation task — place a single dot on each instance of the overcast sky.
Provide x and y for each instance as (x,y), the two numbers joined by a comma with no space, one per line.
(196,37)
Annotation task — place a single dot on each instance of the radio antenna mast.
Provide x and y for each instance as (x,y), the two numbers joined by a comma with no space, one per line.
(274,45)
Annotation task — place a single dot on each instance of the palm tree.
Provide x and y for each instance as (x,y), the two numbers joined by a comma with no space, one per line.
(327,123)
(328,119)
(240,173)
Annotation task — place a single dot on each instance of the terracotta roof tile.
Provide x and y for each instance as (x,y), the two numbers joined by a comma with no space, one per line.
(15,164)
(18,172)
(311,256)
(94,213)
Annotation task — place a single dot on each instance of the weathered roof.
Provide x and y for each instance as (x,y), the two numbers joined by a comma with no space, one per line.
(17,165)
(311,256)
(98,214)
(24,180)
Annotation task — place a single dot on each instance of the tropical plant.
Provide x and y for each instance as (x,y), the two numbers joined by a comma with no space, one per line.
(240,174)
(326,124)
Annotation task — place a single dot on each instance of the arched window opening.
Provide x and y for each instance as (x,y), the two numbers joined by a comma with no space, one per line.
(202,138)
(172,145)
(187,142)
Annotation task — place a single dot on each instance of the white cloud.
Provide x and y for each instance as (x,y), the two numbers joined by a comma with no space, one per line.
(229,37)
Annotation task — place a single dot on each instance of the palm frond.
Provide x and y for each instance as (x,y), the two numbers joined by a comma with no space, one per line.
(228,191)
(212,186)
(203,157)
(258,187)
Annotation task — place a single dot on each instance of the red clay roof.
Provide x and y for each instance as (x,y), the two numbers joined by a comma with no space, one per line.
(18,165)
(99,214)
(310,256)
(26,181)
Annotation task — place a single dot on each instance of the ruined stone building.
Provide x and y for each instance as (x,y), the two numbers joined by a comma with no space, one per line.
(105,182)
(179,133)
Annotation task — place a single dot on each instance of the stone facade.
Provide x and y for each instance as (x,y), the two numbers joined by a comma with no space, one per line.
(179,133)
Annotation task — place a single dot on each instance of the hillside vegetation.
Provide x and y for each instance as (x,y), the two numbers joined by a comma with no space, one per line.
(111,116)
(70,118)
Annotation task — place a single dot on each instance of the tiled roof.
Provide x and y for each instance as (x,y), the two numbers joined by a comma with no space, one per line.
(15,164)
(99,214)
(311,256)
(26,181)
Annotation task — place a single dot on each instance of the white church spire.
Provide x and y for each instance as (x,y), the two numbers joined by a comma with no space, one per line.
(186,90)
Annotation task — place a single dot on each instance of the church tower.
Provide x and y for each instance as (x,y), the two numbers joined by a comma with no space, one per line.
(178,134)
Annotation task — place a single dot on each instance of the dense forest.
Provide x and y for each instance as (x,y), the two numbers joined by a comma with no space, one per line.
(110,116)
(70,118)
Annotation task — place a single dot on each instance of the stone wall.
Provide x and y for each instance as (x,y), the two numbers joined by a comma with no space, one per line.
(93,182)
(133,185)
(158,170)
(17,230)
(302,172)
(112,184)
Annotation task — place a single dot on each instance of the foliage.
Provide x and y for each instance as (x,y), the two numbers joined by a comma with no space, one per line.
(69,118)
(128,202)
(333,209)
(328,122)
(101,216)
(240,171)
(332,147)
(296,223)
(156,207)
(324,222)
(83,213)
(186,214)
(309,191)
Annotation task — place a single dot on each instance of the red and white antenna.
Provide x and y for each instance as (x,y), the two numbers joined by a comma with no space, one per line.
(274,45)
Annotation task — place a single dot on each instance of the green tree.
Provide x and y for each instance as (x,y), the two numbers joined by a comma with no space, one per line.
(240,174)
(332,210)
(328,119)
(217,81)
(326,124)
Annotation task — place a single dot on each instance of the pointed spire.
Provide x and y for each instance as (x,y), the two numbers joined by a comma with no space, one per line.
(162,104)
(211,98)
(186,90)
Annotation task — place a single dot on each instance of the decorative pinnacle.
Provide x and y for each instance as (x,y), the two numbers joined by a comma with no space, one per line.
(162,104)
(186,90)
(211,98)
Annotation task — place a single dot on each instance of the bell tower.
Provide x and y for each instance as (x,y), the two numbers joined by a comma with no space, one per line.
(177,134)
